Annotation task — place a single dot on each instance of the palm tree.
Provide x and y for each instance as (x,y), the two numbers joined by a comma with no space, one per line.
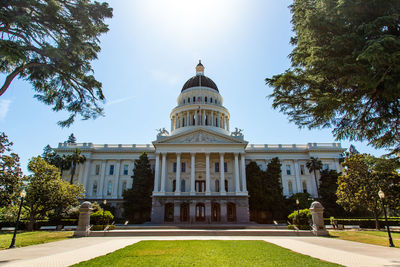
(314,165)
(75,159)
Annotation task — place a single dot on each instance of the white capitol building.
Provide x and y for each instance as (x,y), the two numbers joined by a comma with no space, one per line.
(200,165)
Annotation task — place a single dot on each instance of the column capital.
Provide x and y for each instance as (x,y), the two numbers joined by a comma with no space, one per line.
(178,153)
(242,154)
(236,154)
(164,153)
(193,154)
(157,153)
(221,153)
(207,153)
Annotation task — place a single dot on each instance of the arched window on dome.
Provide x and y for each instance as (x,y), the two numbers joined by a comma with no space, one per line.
(211,100)
(183,121)
(206,120)
(194,99)
(183,101)
(188,99)
(205,99)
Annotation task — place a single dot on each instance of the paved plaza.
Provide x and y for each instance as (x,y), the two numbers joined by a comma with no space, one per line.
(74,250)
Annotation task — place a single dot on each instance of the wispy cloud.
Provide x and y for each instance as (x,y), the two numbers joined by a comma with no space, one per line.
(4,107)
(119,100)
(163,76)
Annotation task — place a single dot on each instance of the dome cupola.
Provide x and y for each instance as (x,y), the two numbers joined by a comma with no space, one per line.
(200,80)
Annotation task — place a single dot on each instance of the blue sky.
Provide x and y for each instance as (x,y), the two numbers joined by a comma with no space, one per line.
(148,54)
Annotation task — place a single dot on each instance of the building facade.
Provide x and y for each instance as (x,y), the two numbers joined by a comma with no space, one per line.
(200,165)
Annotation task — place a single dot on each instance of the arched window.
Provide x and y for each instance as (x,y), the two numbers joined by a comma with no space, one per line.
(216,185)
(183,121)
(205,99)
(226,186)
(173,185)
(183,101)
(183,186)
(200,212)
(304,187)
(210,99)
(188,99)
(123,186)
(169,212)
(94,188)
(109,188)
(290,187)
(215,212)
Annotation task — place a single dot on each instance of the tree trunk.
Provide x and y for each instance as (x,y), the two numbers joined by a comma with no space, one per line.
(72,173)
(316,183)
(376,215)
(31,222)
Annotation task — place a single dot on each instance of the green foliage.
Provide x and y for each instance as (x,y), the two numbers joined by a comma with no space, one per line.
(300,217)
(50,44)
(46,192)
(71,139)
(361,182)
(345,69)
(305,201)
(102,227)
(101,217)
(137,200)
(10,213)
(61,162)
(10,173)
(327,189)
(265,190)
(314,165)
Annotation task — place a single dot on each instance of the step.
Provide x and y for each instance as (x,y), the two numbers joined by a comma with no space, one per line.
(202,232)
(200,226)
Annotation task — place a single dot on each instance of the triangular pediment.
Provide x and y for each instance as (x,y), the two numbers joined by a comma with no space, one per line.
(200,136)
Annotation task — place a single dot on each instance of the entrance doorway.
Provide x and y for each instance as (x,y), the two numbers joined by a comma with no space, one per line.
(215,212)
(184,212)
(200,186)
(200,212)
(231,212)
(169,212)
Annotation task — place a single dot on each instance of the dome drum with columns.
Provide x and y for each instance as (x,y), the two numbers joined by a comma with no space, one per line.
(199,166)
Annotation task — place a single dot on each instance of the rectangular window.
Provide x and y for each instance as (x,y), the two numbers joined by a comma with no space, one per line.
(225,167)
(325,167)
(126,169)
(174,167)
(109,188)
(111,170)
(302,170)
(97,169)
(288,170)
(216,166)
(183,168)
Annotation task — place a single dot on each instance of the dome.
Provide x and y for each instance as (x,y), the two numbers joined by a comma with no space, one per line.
(200,80)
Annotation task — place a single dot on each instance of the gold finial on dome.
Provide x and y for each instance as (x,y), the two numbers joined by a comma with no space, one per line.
(199,68)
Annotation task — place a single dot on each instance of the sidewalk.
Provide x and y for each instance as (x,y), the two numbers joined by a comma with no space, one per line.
(71,251)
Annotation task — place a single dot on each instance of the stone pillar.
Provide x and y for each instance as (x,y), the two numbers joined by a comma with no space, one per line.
(115,188)
(218,120)
(178,174)
(177,211)
(172,124)
(221,174)
(224,213)
(163,171)
(208,180)
(208,211)
(192,173)
(297,173)
(243,174)
(87,175)
(317,212)
(181,119)
(157,173)
(227,124)
(100,191)
(187,118)
(338,166)
(83,228)
(196,115)
(237,184)
(212,118)
(192,212)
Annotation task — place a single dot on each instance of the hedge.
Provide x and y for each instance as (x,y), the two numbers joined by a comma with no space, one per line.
(365,223)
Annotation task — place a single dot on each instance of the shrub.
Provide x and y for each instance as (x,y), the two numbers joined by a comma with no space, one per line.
(102,227)
(300,217)
(98,217)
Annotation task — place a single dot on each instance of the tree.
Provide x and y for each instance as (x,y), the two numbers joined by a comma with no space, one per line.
(50,44)
(71,139)
(314,165)
(361,182)
(75,159)
(345,70)
(46,191)
(10,173)
(61,162)
(137,200)
(327,189)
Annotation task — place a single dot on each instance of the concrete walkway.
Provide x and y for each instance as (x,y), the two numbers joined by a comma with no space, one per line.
(71,251)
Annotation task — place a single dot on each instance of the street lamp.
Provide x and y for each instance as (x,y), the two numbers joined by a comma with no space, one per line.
(298,218)
(22,195)
(104,206)
(381,195)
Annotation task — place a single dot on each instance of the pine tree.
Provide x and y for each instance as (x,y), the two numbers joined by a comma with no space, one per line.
(71,139)
(327,189)
(137,200)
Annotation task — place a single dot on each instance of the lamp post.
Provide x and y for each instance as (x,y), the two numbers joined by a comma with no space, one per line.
(297,203)
(22,195)
(104,205)
(381,195)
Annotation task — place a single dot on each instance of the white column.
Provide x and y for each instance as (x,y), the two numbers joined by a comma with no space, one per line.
(178,174)
(221,173)
(227,124)
(338,165)
(100,191)
(243,168)
(204,117)
(172,124)
(212,118)
(187,118)
(196,115)
(192,173)
(87,176)
(176,121)
(208,180)
(181,120)
(163,171)
(157,173)
(297,174)
(237,184)
(218,120)
(81,168)
(115,188)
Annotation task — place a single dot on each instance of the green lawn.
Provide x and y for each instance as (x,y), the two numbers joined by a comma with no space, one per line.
(33,238)
(369,237)
(204,253)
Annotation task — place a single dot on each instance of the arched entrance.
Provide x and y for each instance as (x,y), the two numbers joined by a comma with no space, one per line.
(231,212)
(215,212)
(184,212)
(200,212)
(169,212)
